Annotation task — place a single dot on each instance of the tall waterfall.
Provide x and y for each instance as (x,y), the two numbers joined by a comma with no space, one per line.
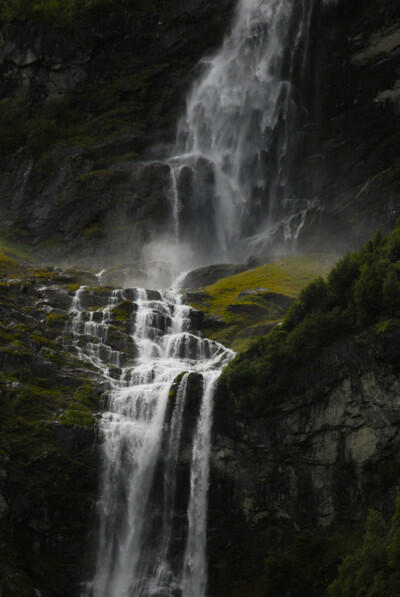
(142,549)
(230,185)
(237,142)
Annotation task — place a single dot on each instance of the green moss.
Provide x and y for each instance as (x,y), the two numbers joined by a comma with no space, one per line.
(242,316)
(126,157)
(8,265)
(121,313)
(56,320)
(388,325)
(81,410)
(93,231)
(372,570)
(307,564)
(88,176)
(351,301)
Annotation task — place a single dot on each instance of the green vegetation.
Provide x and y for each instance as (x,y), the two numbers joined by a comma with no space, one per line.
(63,12)
(367,566)
(361,291)
(82,119)
(247,316)
(8,265)
(305,567)
(372,570)
(82,407)
(122,312)
(57,320)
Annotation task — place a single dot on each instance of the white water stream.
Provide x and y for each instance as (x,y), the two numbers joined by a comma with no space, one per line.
(141,432)
(237,140)
(230,186)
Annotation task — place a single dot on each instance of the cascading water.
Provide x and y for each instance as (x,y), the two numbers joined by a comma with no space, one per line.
(230,184)
(238,139)
(141,432)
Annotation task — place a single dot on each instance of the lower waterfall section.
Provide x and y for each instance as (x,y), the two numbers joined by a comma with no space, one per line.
(150,425)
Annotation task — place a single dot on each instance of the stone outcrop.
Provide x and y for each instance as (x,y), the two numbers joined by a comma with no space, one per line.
(313,462)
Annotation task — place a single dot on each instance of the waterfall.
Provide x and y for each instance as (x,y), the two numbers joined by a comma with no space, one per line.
(141,549)
(239,136)
(231,185)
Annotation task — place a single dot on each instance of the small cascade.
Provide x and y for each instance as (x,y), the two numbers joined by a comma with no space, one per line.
(175,207)
(239,139)
(141,551)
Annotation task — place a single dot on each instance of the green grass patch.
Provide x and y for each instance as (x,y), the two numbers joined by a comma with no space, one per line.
(247,317)
(287,276)
(361,292)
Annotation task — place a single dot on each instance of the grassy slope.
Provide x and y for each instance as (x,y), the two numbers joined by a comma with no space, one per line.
(286,276)
(359,299)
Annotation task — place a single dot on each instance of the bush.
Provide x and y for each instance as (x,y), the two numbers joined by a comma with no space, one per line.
(363,289)
(373,569)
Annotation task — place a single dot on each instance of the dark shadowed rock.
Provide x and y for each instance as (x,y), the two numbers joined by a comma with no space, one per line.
(204,276)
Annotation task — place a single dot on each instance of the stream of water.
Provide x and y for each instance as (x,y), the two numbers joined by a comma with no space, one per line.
(230,185)
(141,433)
(237,141)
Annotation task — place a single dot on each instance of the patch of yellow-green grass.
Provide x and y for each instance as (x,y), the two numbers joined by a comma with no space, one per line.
(288,276)
(248,317)
(8,265)
(14,256)
(13,248)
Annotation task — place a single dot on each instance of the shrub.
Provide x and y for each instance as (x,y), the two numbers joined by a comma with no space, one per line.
(363,289)
(373,569)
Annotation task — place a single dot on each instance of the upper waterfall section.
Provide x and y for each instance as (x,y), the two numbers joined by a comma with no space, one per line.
(237,141)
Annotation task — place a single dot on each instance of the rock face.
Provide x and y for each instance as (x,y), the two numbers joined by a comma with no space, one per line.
(204,276)
(355,171)
(101,104)
(49,458)
(312,461)
(91,101)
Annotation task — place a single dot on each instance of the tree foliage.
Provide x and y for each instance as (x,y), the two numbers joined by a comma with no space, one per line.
(373,570)
(362,290)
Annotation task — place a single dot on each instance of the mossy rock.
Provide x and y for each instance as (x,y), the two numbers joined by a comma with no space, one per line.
(259,296)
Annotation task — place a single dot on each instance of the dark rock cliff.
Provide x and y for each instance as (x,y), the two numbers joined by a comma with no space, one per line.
(314,462)
(99,101)
(354,165)
(94,100)
(49,461)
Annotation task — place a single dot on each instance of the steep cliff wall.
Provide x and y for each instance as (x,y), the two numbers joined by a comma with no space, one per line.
(357,56)
(93,105)
(312,463)
(83,102)
(306,437)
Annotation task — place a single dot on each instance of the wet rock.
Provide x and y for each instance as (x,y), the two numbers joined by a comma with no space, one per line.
(121,342)
(205,276)
(56,296)
(95,299)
